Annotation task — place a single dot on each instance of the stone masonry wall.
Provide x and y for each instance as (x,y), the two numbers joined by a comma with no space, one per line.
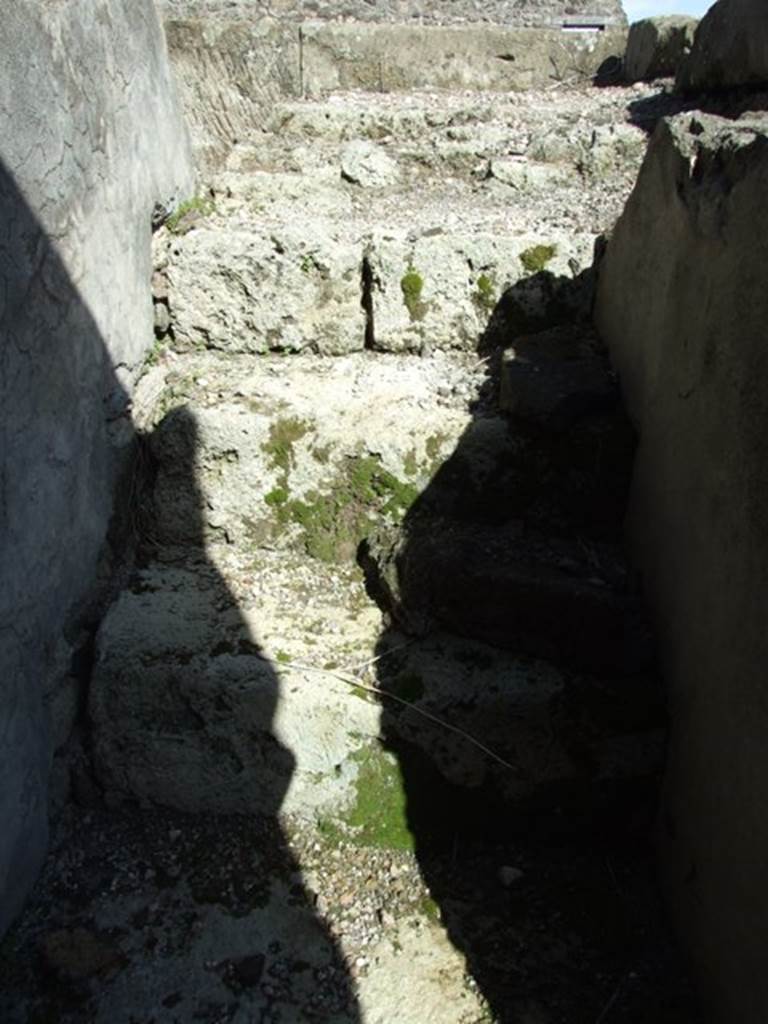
(91,138)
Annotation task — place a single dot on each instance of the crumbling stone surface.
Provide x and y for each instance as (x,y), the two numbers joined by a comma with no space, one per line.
(233,70)
(393,57)
(227,94)
(188,711)
(243,290)
(466,197)
(367,165)
(550,379)
(514,590)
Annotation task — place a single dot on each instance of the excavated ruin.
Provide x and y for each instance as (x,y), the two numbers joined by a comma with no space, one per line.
(370,723)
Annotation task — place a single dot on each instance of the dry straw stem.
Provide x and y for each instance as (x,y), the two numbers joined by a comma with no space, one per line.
(358,683)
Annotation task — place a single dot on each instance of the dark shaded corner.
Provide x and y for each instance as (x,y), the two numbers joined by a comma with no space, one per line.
(515,621)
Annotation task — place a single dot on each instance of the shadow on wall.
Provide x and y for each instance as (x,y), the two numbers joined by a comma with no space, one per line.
(68,441)
(511,555)
(66,435)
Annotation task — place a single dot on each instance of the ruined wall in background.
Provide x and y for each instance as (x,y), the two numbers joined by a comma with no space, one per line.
(683,305)
(90,139)
(230,75)
(234,65)
(532,13)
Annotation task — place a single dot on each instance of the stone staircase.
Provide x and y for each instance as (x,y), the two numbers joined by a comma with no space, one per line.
(378,593)
(350,371)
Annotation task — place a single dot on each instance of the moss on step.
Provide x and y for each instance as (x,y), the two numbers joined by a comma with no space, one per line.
(412,286)
(181,218)
(430,909)
(155,354)
(536,258)
(485,293)
(283,434)
(335,521)
(378,816)
(410,464)
(277,497)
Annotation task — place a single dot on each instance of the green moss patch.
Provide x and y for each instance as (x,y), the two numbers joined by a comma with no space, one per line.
(485,293)
(412,286)
(277,497)
(183,216)
(334,522)
(378,816)
(283,434)
(536,258)
(430,908)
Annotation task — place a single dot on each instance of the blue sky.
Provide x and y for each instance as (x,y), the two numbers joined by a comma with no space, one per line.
(637,9)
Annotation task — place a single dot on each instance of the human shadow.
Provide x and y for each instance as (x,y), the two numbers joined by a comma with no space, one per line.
(508,563)
(174,704)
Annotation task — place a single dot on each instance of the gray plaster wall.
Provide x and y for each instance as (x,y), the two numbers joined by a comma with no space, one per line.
(91,138)
(682,302)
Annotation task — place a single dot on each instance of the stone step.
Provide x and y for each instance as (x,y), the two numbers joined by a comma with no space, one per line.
(228,683)
(298,453)
(301,453)
(246,280)
(553,379)
(569,602)
(523,145)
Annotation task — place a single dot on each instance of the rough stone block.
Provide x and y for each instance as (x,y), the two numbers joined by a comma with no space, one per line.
(240,289)
(439,290)
(391,57)
(543,597)
(730,48)
(188,713)
(657,47)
